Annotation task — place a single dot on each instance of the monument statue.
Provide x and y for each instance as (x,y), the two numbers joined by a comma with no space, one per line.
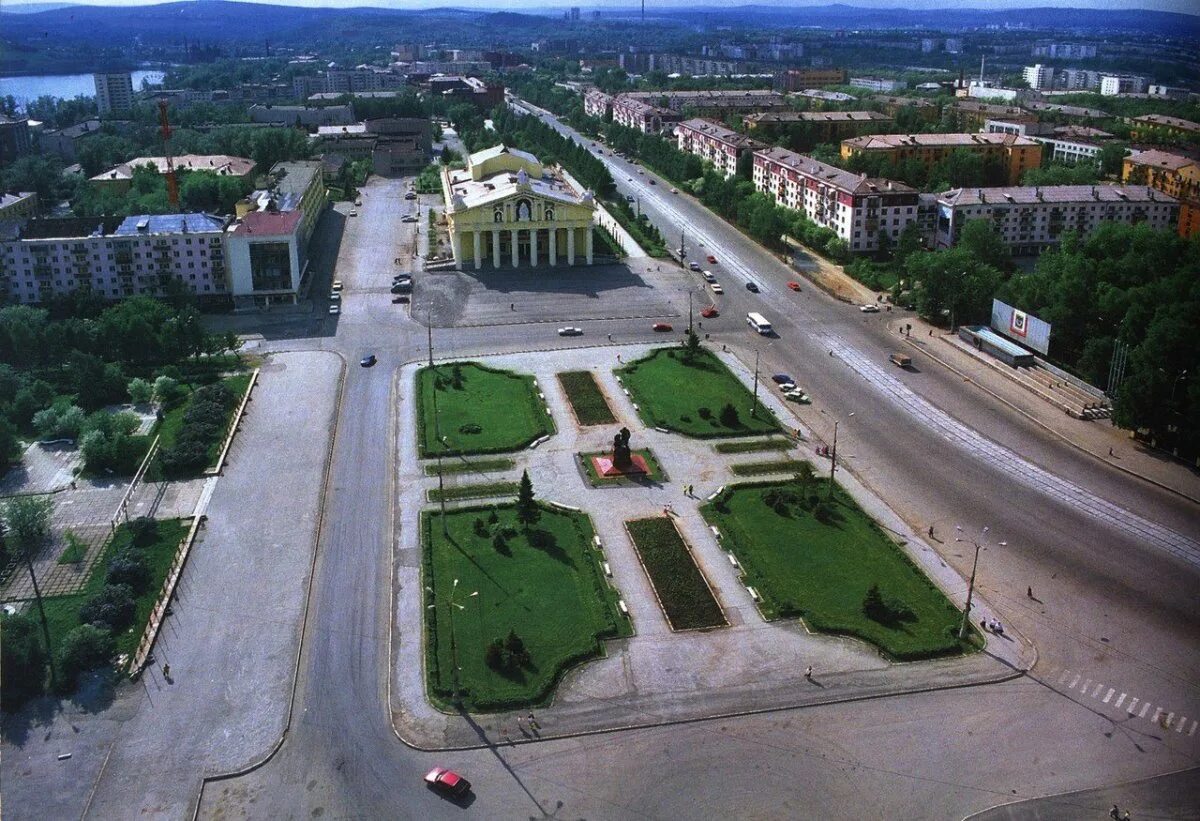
(621,457)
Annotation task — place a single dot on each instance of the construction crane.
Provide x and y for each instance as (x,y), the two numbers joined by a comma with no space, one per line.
(165,131)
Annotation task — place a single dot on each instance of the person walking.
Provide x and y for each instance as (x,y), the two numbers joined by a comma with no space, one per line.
(931,531)
(1110,451)
(1114,813)
(1029,592)
(166,671)
(533,722)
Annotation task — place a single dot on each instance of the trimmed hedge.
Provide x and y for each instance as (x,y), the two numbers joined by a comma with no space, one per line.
(682,590)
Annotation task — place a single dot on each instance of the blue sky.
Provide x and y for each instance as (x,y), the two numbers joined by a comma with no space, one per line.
(1184,6)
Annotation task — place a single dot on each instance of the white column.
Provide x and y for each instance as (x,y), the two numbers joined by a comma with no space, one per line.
(571,246)
(589,244)
(533,249)
(456,242)
(496,248)
(478,250)
(515,247)
(553,245)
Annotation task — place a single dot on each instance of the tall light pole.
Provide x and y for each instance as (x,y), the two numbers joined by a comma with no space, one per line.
(833,459)
(962,630)
(754,407)
(453,644)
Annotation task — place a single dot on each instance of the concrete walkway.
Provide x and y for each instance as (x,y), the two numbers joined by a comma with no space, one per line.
(1094,437)
(658,675)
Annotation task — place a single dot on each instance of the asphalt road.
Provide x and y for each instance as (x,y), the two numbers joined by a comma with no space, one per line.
(1111,606)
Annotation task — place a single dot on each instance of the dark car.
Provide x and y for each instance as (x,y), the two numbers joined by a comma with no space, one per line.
(368,360)
(402,288)
(447,782)
(782,379)
(752,287)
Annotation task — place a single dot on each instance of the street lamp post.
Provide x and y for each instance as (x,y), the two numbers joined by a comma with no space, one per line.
(453,644)
(833,459)
(754,406)
(962,630)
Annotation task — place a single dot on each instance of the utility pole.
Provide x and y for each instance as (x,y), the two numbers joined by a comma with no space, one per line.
(37,594)
(453,643)
(754,407)
(962,629)
(833,460)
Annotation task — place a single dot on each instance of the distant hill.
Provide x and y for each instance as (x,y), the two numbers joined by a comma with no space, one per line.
(32,8)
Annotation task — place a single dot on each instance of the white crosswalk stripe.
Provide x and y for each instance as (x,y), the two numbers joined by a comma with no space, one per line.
(1109,696)
(1119,700)
(1133,703)
(1145,707)
(1125,702)
(1193,730)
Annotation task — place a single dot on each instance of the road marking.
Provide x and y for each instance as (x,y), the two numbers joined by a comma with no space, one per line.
(1074,681)
(1170,718)
(1063,677)
(1182,723)
(1109,696)
(1133,703)
(1119,700)
(1084,686)
(1145,707)
(1096,692)
(1193,730)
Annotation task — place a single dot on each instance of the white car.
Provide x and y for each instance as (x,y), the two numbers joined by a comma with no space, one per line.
(674,190)
(797,395)
(408,218)
(353,212)
(337,285)
(640,171)
(335,296)
(335,309)
(709,276)
(785,387)
(716,288)
(570,331)
(869,308)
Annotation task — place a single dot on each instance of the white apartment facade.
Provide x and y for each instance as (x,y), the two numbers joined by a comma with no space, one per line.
(1031,219)
(114,258)
(859,210)
(714,143)
(1113,84)
(1039,77)
(114,93)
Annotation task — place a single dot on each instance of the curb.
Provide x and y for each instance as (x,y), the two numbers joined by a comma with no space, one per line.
(168,590)
(233,426)
(1048,429)
(254,765)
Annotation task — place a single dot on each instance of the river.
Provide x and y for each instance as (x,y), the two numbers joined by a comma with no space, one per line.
(66,86)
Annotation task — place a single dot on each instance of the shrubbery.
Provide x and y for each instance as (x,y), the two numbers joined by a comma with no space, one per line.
(113,607)
(85,648)
(203,426)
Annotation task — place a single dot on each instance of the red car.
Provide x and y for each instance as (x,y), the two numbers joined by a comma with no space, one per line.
(710,312)
(663,327)
(795,286)
(448,782)
(712,260)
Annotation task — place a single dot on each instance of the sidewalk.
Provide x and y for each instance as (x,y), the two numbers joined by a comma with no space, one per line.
(659,676)
(1093,437)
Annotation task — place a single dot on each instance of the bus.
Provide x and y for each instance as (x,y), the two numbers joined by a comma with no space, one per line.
(759,323)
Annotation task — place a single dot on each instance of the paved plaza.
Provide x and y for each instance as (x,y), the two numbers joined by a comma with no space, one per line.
(657,675)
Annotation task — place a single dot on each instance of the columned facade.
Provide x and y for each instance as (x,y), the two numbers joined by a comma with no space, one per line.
(520,247)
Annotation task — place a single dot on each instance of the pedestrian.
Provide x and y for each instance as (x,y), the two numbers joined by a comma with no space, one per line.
(1110,453)
(610,337)
(512,306)
(983,624)
(931,531)
(1114,813)
(931,331)
(1029,592)
(166,671)
(808,673)
(520,726)
(618,357)
(532,721)
(723,347)
(831,352)
(1125,816)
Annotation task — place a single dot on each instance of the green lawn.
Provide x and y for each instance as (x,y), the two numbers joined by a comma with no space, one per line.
(686,599)
(479,410)
(821,572)
(688,398)
(62,612)
(752,446)
(586,398)
(553,596)
(452,494)
(762,468)
(172,422)
(464,466)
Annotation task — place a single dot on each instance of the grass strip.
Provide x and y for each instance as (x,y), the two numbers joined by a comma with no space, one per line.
(588,401)
(682,590)
(752,446)
(479,410)
(452,494)
(764,468)
(464,466)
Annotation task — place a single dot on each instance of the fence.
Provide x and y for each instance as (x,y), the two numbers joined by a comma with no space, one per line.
(159,611)
(122,511)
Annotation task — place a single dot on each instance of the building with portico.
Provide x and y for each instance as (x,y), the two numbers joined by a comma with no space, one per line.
(506,208)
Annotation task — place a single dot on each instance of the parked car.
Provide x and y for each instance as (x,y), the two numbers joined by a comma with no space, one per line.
(368,360)
(797,395)
(447,782)
(752,287)
(716,288)
(402,287)
(398,300)
(901,360)
(712,260)
(358,201)
(787,387)
(337,285)
(335,296)
(409,218)
(334,310)
(640,171)
(570,331)
(674,190)
(782,379)
(411,195)
(710,312)
(693,266)
(662,327)
(354,212)
(795,286)
(652,182)
(709,276)
(869,308)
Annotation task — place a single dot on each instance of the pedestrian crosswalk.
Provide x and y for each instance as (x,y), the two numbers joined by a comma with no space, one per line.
(1129,705)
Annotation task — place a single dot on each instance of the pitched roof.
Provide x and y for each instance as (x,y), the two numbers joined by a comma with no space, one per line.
(220,164)
(1031,195)
(1160,159)
(889,141)
(832,175)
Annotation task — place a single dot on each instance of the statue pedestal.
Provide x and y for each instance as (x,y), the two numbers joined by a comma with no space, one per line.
(605,467)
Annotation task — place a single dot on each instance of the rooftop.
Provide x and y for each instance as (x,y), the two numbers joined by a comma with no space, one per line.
(815,117)
(1161,159)
(340,130)
(1031,195)
(137,225)
(916,102)
(479,184)
(220,164)
(169,224)
(719,132)
(1168,122)
(295,177)
(888,141)
(1069,110)
(832,175)
(13,197)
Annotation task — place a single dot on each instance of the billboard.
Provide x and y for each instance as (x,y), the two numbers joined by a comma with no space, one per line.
(1020,327)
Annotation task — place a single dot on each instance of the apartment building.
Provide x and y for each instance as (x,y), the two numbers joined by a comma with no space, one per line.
(820,126)
(268,242)
(1160,125)
(114,257)
(878,84)
(1113,84)
(114,93)
(1065,51)
(64,142)
(1031,219)
(1078,79)
(18,204)
(302,116)
(597,104)
(14,138)
(715,143)
(120,177)
(859,209)
(1039,77)
(652,111)
(971,115)
(1173,174)
(1068,144)
(1016,153)
(1072,112)
(633,112)
(892,106)
(796,79)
